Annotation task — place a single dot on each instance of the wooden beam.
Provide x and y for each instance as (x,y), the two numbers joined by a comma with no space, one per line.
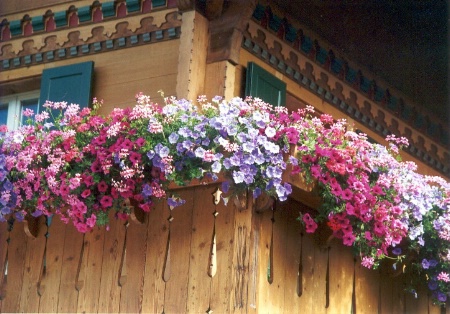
(226,30)
(214,9)
(185,5)
(192,55)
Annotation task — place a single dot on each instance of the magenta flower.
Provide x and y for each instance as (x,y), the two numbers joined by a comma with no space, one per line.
(85,193)
(106,201)
(102,187)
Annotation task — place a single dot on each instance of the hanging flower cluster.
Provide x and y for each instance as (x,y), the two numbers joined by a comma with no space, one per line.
(79,165)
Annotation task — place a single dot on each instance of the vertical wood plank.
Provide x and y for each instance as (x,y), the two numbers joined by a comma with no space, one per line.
(292,302)
(215,79)
(132,289)
(434,309)
(51,275)
(386,290)
(265,230)
(277,288)
(309,293)
(33,265)
(109,299)
(91,270)
(221,291)
(419,304)
(398,299)
(181,232)
(73,242)
(192,56)
(367,289)
(246,259)
(341,278)
(4,235)
(16,262)
(154,285)
(319,279)
(199,290)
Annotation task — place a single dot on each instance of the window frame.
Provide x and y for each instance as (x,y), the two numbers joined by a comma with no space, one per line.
(14,104)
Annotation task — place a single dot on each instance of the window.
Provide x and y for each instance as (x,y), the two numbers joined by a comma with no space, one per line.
(265,86)
(70,83)
(12,106)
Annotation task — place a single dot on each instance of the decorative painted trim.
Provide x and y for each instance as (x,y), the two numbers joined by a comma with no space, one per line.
(15,27)
(38,23)
(340,68)
(102,39)
(85,15)
(108,9)
(91,48)
(133,5)
(60,19)
(369,114)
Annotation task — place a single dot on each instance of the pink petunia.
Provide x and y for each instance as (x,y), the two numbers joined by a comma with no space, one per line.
(90,222)
(135,158)
(88,180)
(139,142)
(81,227)
(64,190)
(102,187)
(348,238)
(106,201)
(86,193)
(96,167)
(347,194)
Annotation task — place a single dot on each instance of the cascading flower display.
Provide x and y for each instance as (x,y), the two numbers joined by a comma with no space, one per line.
(79,165)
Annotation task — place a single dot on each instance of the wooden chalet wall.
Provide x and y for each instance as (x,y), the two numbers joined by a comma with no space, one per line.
(132,55)
(197,258)
(200,257)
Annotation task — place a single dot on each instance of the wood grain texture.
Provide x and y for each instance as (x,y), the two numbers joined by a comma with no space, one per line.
(341,278)
(240,284)
(16,265)
(246,259)
(73,241)
(109,299)
(292,229)
(221,283)
(91,270)
(192,55)
(311,290)
(367,289)
(199,290)
(157,232)
(29,300)
(131,294)
(4,235)
(265,231)
(276,290)
(51,273)
(176,291)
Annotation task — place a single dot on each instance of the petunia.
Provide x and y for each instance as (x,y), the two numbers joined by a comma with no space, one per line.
(85,193)
(106,201)
(102,187)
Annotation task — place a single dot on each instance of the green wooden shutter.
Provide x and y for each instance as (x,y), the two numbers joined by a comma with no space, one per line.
(70,83)
(264,85)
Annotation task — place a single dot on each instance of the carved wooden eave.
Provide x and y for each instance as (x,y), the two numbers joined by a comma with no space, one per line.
(89,39)
(43,35)
(310,74)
